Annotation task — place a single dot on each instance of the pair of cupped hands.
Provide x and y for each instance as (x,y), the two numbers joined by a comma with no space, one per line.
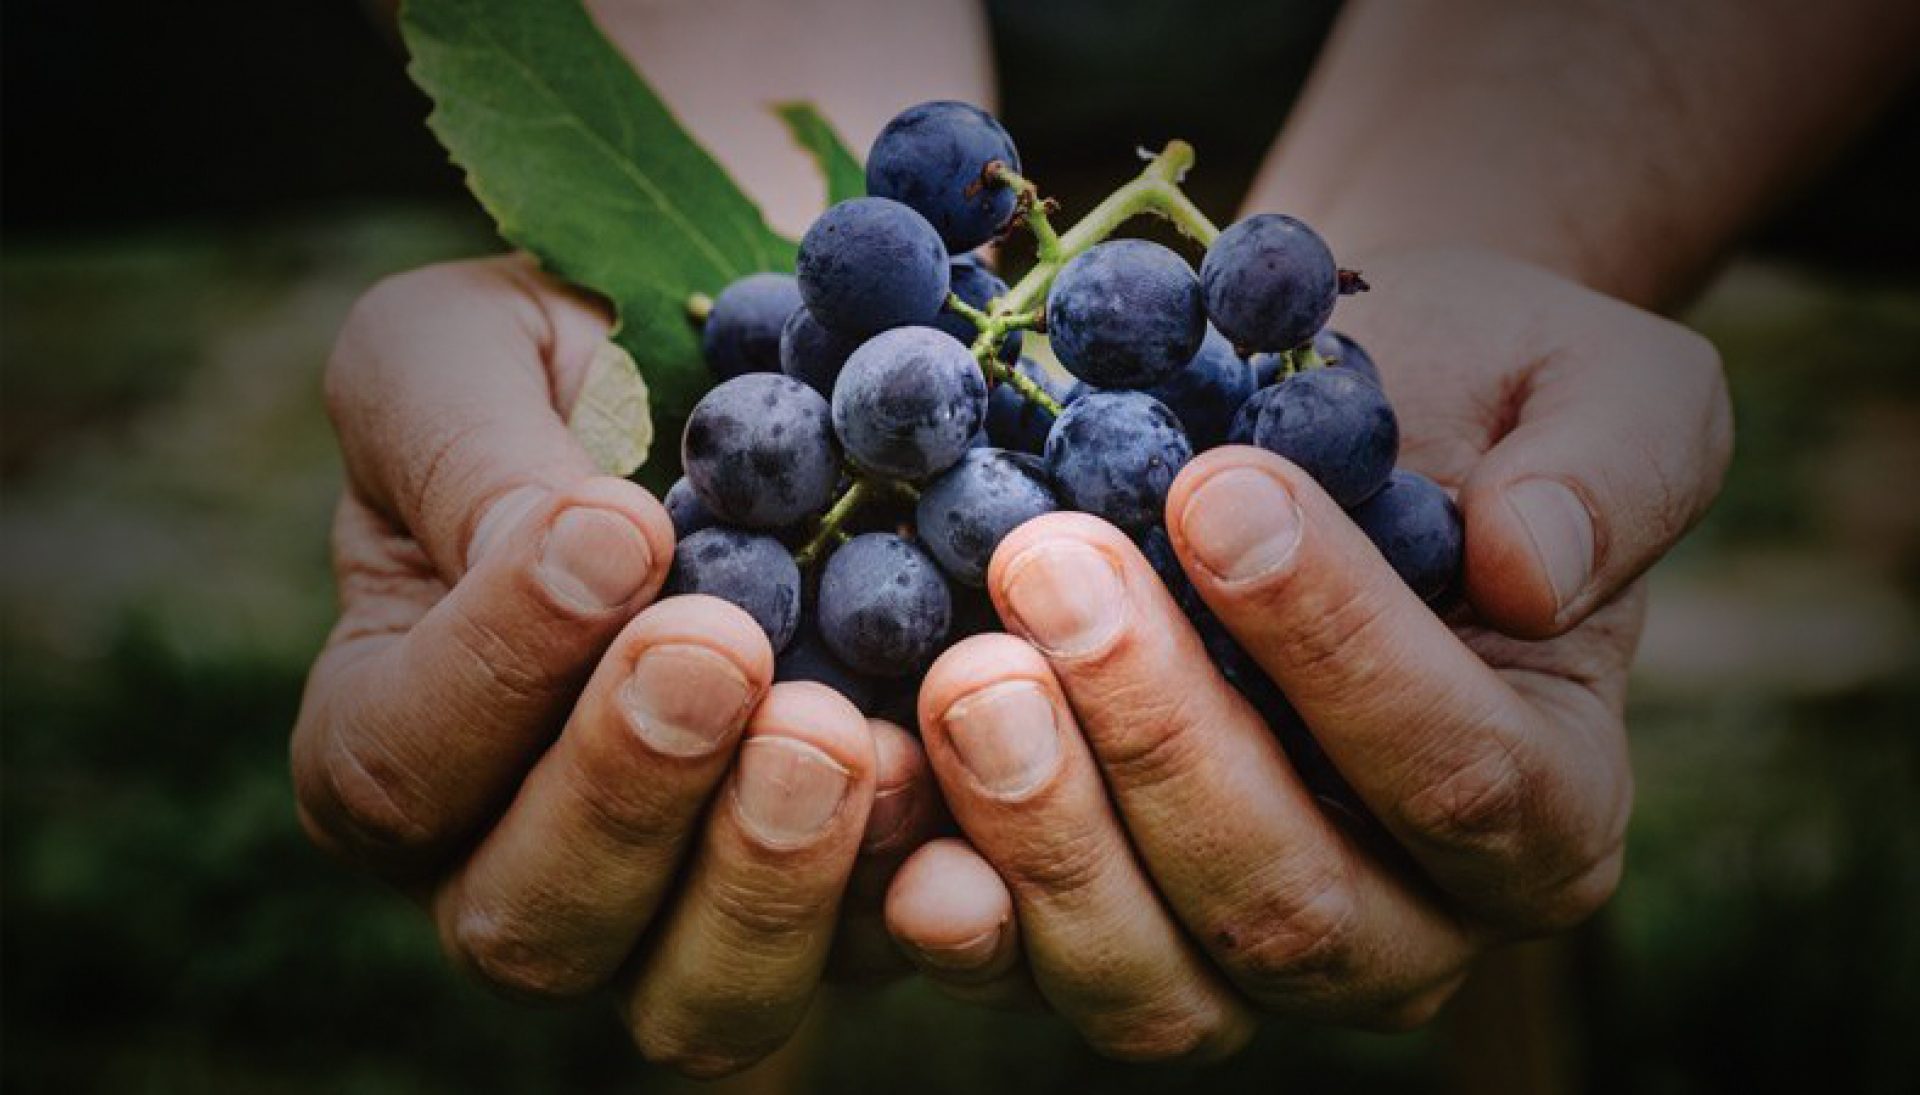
(593,788)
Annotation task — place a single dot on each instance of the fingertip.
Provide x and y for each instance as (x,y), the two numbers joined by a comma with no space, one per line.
(972,664)
(818,716)
(1530,554)
(701,620)
(903,799)
(951,912)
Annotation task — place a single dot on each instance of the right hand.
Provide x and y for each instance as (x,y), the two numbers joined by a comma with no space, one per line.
(501,725)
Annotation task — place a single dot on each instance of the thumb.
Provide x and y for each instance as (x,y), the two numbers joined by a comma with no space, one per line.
(1618,450)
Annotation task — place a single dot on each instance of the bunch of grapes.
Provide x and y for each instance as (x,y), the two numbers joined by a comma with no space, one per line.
(876,431)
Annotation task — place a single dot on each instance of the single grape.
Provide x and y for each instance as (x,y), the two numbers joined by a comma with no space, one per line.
(1418,529)
(1270,282)
(1208,392)
(1016,422)
(908,403)
(749,569)
(869,264)
(1342,352)
(1337,427)
(812,353)
(1267,367)
(684,508)
(884,608)
(759,451)
(965,513)
(933,157)
(1115,454)
(742,333)
(976,285)
(1125,314)
(807,658)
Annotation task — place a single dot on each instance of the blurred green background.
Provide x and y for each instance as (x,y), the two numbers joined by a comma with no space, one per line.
(194,198)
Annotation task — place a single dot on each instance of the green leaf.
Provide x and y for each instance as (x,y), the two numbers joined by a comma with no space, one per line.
(579,163)
(816,136)
(612,417)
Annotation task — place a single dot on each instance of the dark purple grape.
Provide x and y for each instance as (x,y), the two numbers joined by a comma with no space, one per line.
(742,332)
(807,658)
(1341,352)
(1337,427)
(813,354)
(1270,282)
(1125,314)
(748,569)
(759,451)
(1418,529)
(908,403)
(1115,454)
(965,513)
(1208,392)
(884,608)
(684,508)
(933,157)
(869,264)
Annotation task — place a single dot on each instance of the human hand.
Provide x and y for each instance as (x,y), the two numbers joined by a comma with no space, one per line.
(504,723)
(1139,848)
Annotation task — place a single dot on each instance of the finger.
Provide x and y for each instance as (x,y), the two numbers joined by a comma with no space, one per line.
(1018,778)
(444,386)
(728,976)
(1617,450)
(1520,819)
(953,917)
(1302,920)
(410,740)
(555,897)
(906,812)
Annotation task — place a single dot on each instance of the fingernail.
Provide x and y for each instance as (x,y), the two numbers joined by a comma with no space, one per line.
(1006,736)
(1242,524)
(502,517)
(685,700)
(1065,596)
(887,816)
(965,956)
(1561,530)
(788,790)
(594,559)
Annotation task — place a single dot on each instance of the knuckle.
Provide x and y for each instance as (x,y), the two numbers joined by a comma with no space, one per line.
(1414,1012)
(671,1044)
(1163,1032)
(1068,863)
(760,913)
(1477,806)
(374,806)
(1302,937)
(1328,636)
(1164,735)
(498,951)
(1569,902)
(624,808)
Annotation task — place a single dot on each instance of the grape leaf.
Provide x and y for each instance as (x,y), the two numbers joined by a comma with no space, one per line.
(579,162)
(612,418)
(815,135)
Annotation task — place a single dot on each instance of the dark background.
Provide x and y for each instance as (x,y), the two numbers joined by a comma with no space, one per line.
(193,195)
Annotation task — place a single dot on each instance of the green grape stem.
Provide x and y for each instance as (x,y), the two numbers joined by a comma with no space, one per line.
(1156,191)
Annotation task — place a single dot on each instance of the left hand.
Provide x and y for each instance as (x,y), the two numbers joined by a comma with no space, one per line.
(1139,848)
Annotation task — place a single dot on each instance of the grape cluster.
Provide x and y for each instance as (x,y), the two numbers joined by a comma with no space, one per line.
(876,433)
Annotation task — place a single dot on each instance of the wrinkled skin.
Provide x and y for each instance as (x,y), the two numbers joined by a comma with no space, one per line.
(1138,853)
